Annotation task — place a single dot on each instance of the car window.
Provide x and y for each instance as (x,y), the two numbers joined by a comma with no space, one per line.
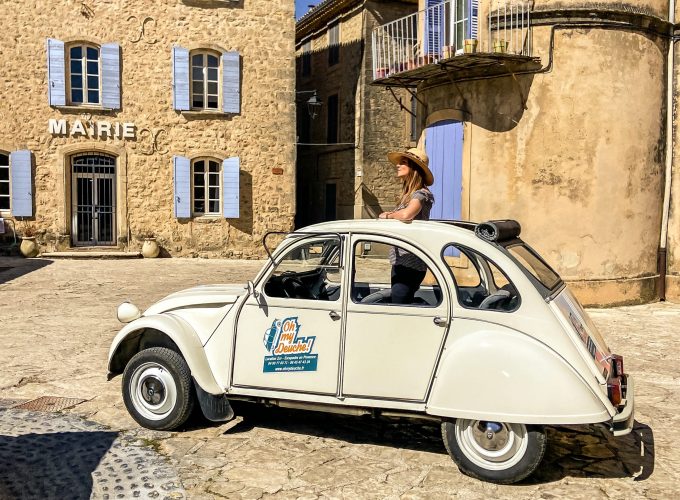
(310,271)
(480,284)
(535,265)
(372,276)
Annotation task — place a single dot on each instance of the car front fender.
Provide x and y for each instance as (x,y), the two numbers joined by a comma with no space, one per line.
(503,375)
(164,330)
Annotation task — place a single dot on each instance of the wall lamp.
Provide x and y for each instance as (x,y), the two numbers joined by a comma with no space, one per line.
(313,103)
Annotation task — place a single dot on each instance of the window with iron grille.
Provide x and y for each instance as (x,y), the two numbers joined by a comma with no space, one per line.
(4,181)
(307,58)
(333,44)
(206,186)
(205,80)
(84,74)
(333,120)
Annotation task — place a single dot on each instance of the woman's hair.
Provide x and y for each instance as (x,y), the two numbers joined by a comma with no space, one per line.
(412,182)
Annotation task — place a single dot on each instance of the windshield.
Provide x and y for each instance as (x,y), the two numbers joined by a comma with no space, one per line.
(535,265)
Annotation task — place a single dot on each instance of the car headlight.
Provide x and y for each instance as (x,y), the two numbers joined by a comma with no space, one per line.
(127,312)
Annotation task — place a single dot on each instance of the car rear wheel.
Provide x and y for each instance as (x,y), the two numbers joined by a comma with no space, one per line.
(497,452)
(157,389)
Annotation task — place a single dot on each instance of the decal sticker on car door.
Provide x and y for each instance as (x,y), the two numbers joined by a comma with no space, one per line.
(288,352)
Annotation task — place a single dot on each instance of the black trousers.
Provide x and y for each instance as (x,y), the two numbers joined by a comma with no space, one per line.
(405,283)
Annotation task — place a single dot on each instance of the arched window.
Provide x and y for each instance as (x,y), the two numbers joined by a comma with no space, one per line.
(206,186)
(205,80)
(84,79)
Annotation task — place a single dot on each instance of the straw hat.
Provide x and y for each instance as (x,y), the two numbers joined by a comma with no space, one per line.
(419,157)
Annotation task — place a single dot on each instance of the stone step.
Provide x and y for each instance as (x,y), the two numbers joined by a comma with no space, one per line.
(91,254)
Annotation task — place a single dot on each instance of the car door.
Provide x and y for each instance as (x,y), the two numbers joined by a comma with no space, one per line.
(391,350)
(288,331)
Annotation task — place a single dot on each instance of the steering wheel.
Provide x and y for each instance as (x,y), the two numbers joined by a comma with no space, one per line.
(296,289)
(495,298)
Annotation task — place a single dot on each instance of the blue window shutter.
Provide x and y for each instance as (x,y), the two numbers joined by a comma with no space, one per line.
(473,15)
(182,179)
(231,82)
(230,187)
(180,79)
(111,75)
(56,73)
(434,26)
(22,192)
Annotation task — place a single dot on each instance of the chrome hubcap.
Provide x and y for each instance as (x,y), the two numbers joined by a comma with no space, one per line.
(491,445)
(153,391)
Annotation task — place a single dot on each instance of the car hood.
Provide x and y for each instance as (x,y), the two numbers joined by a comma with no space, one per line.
(205,295)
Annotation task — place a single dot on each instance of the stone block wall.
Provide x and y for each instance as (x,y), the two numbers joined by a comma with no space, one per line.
(261,135)
(371,120)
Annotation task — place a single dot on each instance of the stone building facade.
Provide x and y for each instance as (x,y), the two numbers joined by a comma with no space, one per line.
(342,170)
(572,137)
(127,119)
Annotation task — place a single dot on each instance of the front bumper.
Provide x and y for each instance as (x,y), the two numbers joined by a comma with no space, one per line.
(622,423)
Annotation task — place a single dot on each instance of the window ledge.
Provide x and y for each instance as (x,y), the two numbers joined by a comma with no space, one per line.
(90,109)
(208,219)
(207,112)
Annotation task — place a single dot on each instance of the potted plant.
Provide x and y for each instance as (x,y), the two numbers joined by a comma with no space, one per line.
(471,45)
(29,247)
(150,247)
(500,46)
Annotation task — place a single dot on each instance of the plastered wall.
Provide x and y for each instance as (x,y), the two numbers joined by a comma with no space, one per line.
(582,166)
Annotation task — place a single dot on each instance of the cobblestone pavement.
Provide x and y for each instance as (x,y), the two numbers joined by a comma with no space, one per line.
(58,320)
(54,456)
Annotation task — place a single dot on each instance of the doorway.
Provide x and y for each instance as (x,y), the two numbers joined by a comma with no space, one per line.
(444,147)
(93,199)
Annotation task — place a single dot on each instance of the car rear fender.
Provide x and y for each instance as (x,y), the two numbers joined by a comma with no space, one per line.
(501,374)
(163,330)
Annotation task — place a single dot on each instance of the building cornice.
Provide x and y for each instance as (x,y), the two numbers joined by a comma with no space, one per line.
(321,15)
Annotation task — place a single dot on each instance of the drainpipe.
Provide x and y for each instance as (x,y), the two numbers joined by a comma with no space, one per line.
(670,89)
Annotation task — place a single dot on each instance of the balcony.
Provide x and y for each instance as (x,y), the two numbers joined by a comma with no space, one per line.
(450,39)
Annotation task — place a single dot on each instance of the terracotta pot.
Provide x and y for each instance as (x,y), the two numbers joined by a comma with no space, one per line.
(500,46)
(150,248)
(471,45)
(28,248)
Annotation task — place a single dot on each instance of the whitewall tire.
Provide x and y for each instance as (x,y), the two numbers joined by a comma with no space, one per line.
(497,452)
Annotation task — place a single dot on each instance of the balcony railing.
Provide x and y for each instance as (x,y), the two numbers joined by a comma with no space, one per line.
(450,29)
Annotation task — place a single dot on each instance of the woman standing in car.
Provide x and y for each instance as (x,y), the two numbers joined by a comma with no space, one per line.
(415,203)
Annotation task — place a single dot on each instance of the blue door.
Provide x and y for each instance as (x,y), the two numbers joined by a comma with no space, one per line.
(444,146)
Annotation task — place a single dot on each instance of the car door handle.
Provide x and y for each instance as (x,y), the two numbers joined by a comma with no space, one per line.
(439,321)
(334,316)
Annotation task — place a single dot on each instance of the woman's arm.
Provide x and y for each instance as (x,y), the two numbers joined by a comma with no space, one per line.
(405,214)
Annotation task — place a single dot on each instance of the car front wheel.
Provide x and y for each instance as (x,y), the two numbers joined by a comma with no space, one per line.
(157,389)
(497,452)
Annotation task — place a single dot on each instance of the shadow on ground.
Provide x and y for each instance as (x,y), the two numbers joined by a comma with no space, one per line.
(13,267)
(365,430)
(573,451)
(52,465)
(592,451)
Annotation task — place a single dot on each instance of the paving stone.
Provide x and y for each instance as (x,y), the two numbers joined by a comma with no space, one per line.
(57,344)
(45,455)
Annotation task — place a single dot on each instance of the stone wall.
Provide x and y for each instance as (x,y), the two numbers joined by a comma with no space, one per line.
(371,121)
(262,134)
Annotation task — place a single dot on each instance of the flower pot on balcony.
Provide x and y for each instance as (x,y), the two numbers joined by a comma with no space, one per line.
(500,46)
(150,248)
(29,247)
(471,45)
